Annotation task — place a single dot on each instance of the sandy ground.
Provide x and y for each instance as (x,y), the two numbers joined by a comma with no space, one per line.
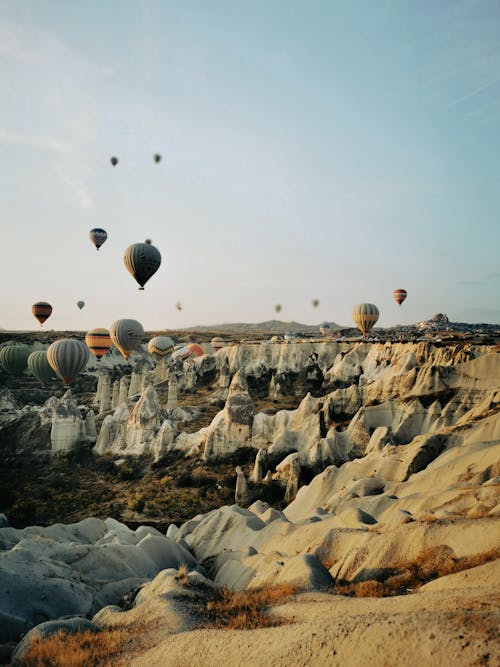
(457,625)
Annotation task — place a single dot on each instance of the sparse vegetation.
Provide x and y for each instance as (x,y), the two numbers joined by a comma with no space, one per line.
(244,610)
(84,649)
(432,563)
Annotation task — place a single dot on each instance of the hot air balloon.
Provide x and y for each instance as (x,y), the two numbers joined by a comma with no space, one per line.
(98,236)
(217,343)
(399,295)
(142,261)
(315,303)
(195,350)
(68,356)
(114,161)
(365,316)
(98,341)
(40,367)
(181,352)
(126,335)
(14,358)
(178,305)
(157,157)
(277,307)
(325,328)
(160,346)
(80,304)
(41,310)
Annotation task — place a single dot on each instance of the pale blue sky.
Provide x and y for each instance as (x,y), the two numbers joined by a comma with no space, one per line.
(322,149)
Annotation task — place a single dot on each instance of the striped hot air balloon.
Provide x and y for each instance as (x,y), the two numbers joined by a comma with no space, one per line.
(14,358)
(41,310)
(142,261)
(68,357)
(365,315)
(126,335)
(181,352)
(98,341)
(40,367)
(399,295)
(217,343)
(160,346)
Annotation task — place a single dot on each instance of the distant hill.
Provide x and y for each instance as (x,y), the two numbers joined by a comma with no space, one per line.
(271,327)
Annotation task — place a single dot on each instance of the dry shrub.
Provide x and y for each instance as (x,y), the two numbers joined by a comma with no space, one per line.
(182,575)
(245,610)
(430,564)
(82,649)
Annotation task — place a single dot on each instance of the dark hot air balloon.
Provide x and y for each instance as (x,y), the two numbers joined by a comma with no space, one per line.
(157,157)
(41,310)
(142,261)
(14,358)
(178,305)
(315,303)
(365,315)
(126,335)
(399,295)
(40,367)
(80,304)
(277,307)
(98,236)
(114,161)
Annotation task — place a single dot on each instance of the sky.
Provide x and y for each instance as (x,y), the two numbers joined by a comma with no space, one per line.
(315,149)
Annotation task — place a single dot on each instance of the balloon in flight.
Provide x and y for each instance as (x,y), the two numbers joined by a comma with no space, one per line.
(14,358)
(217,343)
(68,357)
(399,295)
(41,310)
(126,335)
(114,161)
(157,157)
(195,350)
(142,261)
(365,315)
(80,304)
(40,367)
(315,303)
(98,236)
(160,346)
(98,341)
(277,307)
(178,305)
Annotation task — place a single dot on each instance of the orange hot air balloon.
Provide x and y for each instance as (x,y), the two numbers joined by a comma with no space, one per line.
(98,341)
(41,310)
(399,295)
(195,350)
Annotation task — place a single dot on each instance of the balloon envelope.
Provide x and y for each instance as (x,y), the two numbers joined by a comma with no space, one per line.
(126,335)
(68,356)
(181,353)
(277,307)
(80,304)
(114,161)
(217,343)
(160,346)
(14,358)
(315,303)
(98,341)
(40,367)
(142,261)
(98,236)
(365,315)
(178,305)
(195,350)
(157,157)
(41,310)
(399,295)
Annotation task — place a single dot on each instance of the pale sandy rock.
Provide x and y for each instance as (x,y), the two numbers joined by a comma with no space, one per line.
(486,575)
(68,427)
(241,494)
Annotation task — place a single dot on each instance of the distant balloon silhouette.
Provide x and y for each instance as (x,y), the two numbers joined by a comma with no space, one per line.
(365,315)
(399,295)
(114,161)
(277,307)
(325,328)
(178,305)
(98,341)
(68,356)
(157,157)
(98,236)
(315,303)
(142,261)
(41,310)
(80,304)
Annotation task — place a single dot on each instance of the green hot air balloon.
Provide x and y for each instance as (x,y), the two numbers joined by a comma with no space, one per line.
(365,315)
(68,357)
(14,358)
(142,261)
(40,367)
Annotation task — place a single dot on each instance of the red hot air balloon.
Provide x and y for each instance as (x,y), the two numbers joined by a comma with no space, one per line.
(399,295)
